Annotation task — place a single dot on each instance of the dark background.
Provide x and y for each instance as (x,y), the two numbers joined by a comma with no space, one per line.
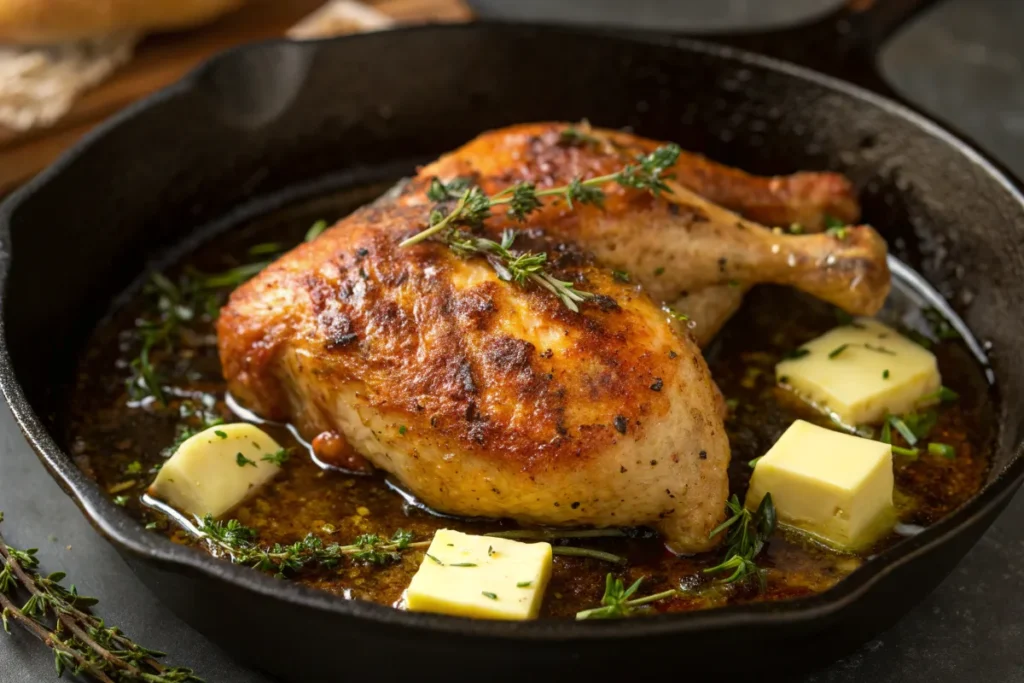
(964,62)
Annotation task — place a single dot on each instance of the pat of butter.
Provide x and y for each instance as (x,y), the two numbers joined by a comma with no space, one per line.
(481,576)
(834,486)
(214,470)
(860,372)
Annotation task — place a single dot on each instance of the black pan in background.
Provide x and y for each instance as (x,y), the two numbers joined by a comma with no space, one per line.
(279,115)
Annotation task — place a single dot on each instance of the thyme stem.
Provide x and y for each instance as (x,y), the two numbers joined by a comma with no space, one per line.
(587,552)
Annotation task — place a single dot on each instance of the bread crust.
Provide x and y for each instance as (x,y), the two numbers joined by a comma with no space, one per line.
(51,21)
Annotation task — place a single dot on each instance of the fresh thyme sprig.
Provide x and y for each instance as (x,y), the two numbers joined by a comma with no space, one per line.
(81,642)
(241,545)
(517,267)
(195,296)
(616,601)
(472,207)
(747,535)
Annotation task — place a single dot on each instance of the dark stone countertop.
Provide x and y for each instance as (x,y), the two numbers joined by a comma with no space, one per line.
(963,61)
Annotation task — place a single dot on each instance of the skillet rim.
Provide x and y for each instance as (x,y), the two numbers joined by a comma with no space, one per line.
(127,535)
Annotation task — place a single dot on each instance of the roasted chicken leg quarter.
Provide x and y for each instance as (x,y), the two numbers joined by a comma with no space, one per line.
(484,398)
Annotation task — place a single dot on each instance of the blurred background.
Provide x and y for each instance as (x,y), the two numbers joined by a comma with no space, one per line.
(65,65)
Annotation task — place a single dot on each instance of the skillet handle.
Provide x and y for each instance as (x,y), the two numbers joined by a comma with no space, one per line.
(844,42)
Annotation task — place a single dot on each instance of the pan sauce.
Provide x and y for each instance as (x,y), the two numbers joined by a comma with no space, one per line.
(108,432)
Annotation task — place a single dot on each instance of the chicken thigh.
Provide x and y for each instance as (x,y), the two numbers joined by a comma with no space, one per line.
(481,397)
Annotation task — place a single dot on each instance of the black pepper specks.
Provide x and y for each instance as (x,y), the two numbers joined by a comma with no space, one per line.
(673,354)
(654,463)
(575,505)
(658,384)
(703,455)
(362,252)
(620,424)
(622,470)
(722,262)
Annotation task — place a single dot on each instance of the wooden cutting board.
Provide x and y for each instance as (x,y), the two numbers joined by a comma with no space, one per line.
(162,59)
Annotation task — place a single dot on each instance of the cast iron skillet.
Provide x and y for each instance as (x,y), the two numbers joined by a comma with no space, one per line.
(260,121)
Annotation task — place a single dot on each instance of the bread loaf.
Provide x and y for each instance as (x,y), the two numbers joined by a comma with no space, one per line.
(52,21)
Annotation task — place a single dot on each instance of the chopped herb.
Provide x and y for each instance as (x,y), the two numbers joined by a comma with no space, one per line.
(134,467)
(942,449)
(885,374)
(732,404)
(490,550)
(753,463)
(221,434)
(797,353)
(838,350)
(616,600)
(434,559)
(151,526)
(879,349)
(886,436)
(265,248)
(796,228)
(402,430)
(839,232)
(486,594)
(659,270)
(278,458)
(121,500)
(832,222)
(524,584)
(907,452)
(734,283)
(944,394)
(463,564)
(620,275)
(242,461)
(315,230)
(900,426)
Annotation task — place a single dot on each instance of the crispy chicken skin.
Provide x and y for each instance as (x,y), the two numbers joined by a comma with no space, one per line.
(485,398)
(481,397)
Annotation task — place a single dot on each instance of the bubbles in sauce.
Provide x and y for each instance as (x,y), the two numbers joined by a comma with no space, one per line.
(116,441)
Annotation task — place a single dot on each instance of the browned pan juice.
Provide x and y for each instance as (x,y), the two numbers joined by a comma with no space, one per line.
(118,442)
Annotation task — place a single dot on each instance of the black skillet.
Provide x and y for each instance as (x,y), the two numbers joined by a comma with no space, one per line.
(276,121)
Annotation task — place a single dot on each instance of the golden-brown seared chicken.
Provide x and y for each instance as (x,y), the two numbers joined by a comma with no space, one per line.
(482,397)
(486,398)
(685,247)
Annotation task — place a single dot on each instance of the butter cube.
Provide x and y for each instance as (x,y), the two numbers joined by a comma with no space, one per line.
(859,372)
(214,470)
(834,486)
(481,576)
